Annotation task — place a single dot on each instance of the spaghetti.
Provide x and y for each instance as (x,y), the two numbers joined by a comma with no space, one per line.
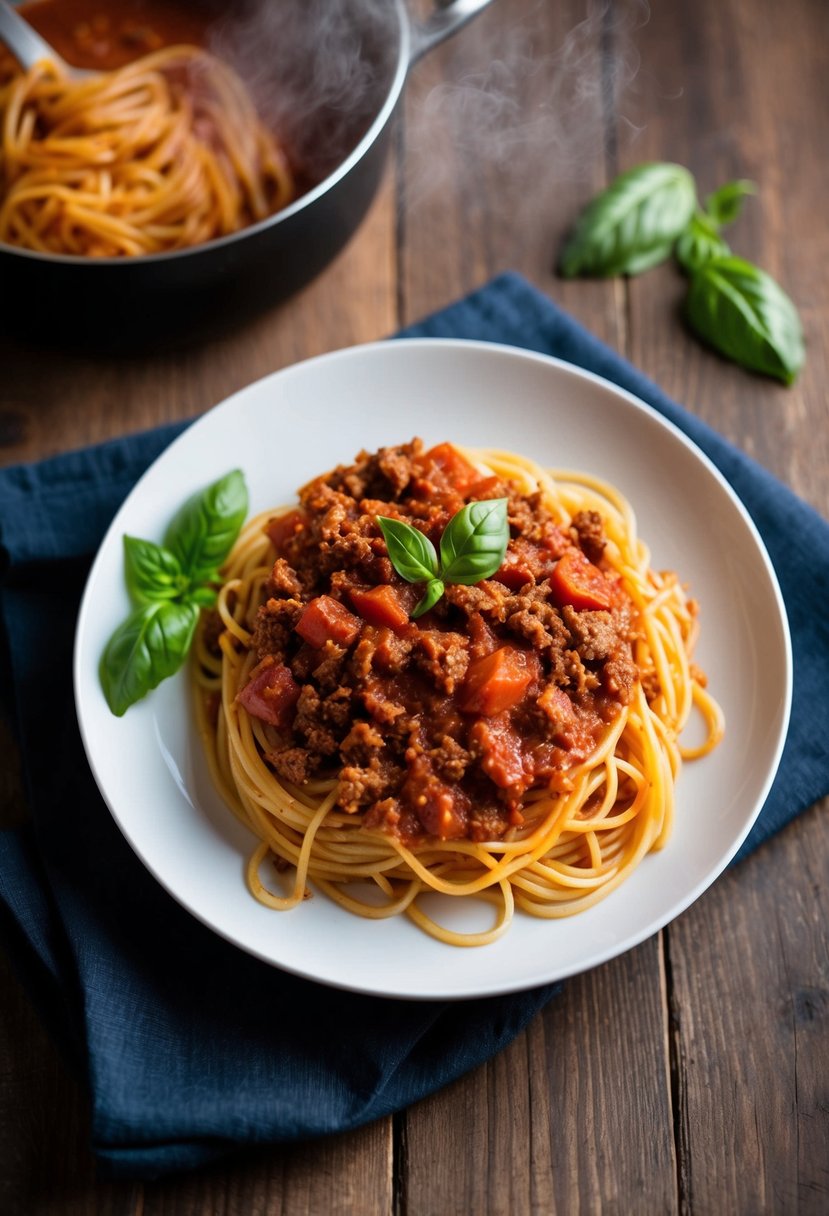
(569,840)
(162,154)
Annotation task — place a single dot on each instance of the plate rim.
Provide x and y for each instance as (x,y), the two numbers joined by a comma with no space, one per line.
(435,992)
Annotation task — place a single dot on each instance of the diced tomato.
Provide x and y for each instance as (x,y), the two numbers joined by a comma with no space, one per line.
(487,487)
(574,729)
(379,606)
(325,618)
(576,581)
(500,749)
(497,681)
(442,809)
(522,564)
(453,468)
(554,539)
(283,528)
(271,693)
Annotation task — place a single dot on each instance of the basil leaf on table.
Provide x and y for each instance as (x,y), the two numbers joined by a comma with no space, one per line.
(151,571)
(699,243)
(743,313)
(411,553)
(151,644)
(203,532)
(724,205)
(474,542)
(633,224)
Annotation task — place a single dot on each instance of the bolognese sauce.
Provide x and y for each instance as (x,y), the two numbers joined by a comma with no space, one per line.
(436,727)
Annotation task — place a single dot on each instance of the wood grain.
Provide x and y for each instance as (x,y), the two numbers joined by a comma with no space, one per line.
(574,1117)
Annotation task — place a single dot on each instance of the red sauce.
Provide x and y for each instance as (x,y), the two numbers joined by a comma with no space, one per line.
(107,34)
(436,726)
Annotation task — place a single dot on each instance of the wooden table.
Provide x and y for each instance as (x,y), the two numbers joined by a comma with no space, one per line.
(692,1074)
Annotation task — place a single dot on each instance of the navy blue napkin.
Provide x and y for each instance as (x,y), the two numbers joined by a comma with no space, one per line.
(188,1046)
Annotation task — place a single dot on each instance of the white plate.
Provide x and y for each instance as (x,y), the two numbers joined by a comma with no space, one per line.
(307,418)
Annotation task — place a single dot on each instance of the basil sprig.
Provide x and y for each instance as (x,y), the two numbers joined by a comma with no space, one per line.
(168,584)
(472,548)
(633,224)
(650,212)
(740,311)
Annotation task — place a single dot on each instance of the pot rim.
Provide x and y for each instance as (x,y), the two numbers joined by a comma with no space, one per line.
(299,204)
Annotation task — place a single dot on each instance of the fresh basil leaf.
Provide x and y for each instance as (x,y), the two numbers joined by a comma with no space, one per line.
(434,590)
(204,530)
(474,542)
(203,597)
(411,553)
(724,205)
(151,644)
(743,313)
(632,224)
(639,262)
(151,571)
(699,243)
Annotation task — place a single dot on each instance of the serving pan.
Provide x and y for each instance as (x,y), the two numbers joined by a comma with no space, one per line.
(167,299)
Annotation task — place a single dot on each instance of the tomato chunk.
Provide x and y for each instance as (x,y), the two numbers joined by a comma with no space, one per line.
(379,606)
(271,693)
(283,528)
(442,809)
(576,581)
(497,681)
(325,619)
(500,748)
(455,469)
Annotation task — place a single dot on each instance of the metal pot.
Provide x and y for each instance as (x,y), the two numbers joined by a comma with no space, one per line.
(167,299)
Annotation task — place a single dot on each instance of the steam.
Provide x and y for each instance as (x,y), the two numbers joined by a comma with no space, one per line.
(526,114)
(319,71)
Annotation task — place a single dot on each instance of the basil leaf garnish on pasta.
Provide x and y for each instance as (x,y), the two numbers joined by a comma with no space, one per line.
(152,572)
(474,542)
(434,590)
(472,548)
(168,585)
(411,553)
(151,644)
(204,531)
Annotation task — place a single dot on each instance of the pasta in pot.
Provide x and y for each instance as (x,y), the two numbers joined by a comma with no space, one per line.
(161,154)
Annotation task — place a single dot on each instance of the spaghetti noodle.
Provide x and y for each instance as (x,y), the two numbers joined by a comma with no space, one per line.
(162,154)
(577,834)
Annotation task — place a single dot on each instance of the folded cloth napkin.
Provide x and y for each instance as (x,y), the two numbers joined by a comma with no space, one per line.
(189,1046)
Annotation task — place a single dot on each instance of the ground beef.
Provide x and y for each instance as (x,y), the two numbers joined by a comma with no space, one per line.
(284,582)
(360,786)
(294,764)
(443,656)
(433,727)
(595,634)
(274,630)
(589,529)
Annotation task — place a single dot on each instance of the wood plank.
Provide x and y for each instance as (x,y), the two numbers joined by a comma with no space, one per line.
(341,1175)
(748,963)
(503,142)
(574,1117)
(750,977)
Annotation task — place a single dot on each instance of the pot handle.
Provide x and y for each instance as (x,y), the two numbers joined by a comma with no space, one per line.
(448,17)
